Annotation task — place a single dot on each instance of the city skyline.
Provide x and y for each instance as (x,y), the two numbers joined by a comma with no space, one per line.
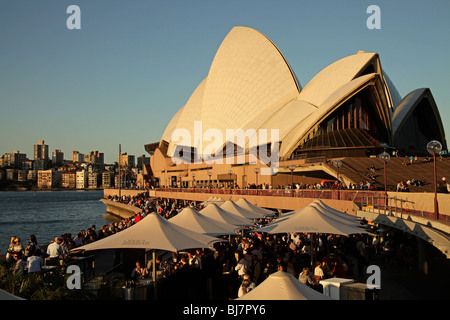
(130,68)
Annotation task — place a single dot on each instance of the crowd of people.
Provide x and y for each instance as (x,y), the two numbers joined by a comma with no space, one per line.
(248,259)
(242,261)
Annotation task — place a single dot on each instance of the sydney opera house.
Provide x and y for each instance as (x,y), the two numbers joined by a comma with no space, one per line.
(349,109)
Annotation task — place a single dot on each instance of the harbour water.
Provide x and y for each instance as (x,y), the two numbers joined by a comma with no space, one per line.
(48,214)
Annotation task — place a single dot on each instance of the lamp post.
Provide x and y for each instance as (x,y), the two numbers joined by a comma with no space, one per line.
(385,157)
(209,182)
(292,168)
(338,164)
(434,147)
(256,176)
(230,172)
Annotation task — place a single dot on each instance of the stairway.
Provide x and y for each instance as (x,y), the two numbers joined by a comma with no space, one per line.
(398,169)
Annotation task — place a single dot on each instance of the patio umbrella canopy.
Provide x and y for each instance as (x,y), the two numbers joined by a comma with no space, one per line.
(334,214)
(215,212)
(193,220)
(283,286)
(245,204)
(344,215)
(152,232)
(233,208)
(311,220)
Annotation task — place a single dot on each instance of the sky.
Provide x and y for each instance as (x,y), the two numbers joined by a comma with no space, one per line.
(134,63)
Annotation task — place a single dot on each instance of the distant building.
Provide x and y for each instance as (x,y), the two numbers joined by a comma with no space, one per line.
(93,180)
(27,164)
(41,164)
(69,180)
(119,182)
(22,175)
(48,179)
(41,151)
(14,159)
(82,179)
(107,180)
(94,157)
(11,174)
(31,175)
(142,161)
(77,157)
(57,157)
(126,160)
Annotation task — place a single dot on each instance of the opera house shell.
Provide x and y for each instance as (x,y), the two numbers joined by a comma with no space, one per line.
(350,108)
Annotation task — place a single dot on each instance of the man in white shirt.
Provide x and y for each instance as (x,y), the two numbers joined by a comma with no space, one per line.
(34,263)
(55,251)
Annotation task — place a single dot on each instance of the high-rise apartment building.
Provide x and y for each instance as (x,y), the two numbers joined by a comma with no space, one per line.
(107,180)
(82,179)
(126,160)
(95,157)
(57,157)
(93,180)
(41,151)
(77,157)
(47,179)
(142,161)
(14,159)
(69,180)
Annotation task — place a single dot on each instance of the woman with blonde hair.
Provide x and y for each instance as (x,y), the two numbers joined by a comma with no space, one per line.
(14,246)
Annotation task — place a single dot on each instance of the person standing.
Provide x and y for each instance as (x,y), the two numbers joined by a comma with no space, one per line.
(31,246)
(139,272)
(55,252)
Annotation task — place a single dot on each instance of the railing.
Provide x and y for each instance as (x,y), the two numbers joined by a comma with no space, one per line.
(364,199)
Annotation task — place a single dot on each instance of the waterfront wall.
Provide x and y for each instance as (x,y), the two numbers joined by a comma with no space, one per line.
(119,209)
(414,201)
(277,203)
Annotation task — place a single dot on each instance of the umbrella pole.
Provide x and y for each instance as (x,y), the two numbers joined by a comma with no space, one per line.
(312,252)
(154,272)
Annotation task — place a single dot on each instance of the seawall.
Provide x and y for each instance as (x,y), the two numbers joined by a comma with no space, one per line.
(120,210)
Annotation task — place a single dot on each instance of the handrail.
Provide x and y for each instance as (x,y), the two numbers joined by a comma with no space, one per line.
(362,198)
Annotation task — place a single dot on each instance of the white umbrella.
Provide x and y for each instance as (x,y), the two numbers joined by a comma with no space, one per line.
(233,208)
(335,214)
(208,201)
(215,212)
(215,200)
(334,211)
(244,203)
(283,286)
(311,220)
(152,232)
(191,219)
(218,201)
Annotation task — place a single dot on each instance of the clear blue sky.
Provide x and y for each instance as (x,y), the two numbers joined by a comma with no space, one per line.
(134,63)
